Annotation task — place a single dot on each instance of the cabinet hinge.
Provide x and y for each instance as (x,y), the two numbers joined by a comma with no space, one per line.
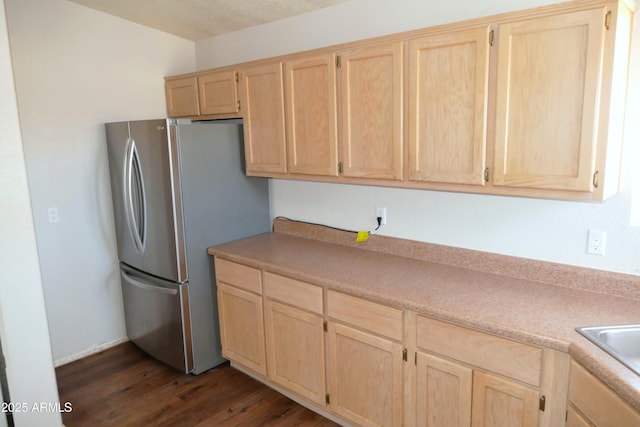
(415,358)
(595,179)
(404,354)
(326,398)
(338,61)
(238,105)
(543,403)
(324,326)
(492,35)
(237,77)
(339,167)
(607,20)
(486,174)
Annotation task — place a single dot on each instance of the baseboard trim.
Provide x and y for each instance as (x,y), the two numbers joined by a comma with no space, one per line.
(88,352)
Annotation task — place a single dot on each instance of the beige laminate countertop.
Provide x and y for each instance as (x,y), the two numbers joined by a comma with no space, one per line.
(529,311)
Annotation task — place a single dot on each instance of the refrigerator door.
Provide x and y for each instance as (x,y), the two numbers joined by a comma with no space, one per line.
(119,149)
(157,317)
(159,227)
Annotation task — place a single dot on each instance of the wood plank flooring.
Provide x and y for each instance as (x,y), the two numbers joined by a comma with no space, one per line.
(122,386)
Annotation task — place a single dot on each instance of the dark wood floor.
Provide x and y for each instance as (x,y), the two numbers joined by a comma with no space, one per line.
(122,386)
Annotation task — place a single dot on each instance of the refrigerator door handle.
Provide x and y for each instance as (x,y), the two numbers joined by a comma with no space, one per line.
(148,287)
(135,202)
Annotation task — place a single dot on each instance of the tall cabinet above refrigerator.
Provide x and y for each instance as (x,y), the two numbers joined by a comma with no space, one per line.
(177,188)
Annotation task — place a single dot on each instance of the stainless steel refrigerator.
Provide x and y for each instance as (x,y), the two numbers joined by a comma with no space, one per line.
(177,188)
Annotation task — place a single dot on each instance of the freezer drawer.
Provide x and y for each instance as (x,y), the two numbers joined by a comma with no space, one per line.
(157,317)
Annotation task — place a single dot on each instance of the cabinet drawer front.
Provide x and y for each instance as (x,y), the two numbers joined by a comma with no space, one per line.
(598,402)
(293,292)
(239,275)
(377,318)
(499,355)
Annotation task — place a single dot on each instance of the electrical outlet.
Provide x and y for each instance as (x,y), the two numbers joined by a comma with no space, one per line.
(53,214)
(597,242)
(381,212)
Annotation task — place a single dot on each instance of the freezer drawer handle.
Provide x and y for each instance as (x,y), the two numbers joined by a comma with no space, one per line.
(148,287)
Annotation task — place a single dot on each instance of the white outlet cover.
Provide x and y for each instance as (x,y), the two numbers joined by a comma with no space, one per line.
(597,243)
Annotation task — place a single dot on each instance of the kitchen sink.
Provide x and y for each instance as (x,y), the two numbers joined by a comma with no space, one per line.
(621,342)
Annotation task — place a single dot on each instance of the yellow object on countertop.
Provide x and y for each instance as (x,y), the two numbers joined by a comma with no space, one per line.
(363,236)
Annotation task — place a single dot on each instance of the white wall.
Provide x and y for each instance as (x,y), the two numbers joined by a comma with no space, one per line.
(540,229)
(23,322)
(76,68)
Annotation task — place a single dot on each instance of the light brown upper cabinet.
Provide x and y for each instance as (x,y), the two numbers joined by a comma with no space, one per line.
(370,98)
(311,115)
(556,82)
(203,95)
(371,116)
(262,95)
(182,97)
(218,92)
(527,103)
(448,91)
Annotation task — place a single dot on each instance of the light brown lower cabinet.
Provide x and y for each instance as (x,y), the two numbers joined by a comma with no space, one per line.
(295,336)
(368,364)
(447,391)
(592,403)
(240,314)
(443,392)
(469,378)
(501,403)
(365,376)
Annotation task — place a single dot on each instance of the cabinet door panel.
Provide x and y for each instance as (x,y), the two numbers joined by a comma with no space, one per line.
(310,87)
(295,344)
(182,97)
(443,393)
(501,403)
(448,80)
(218,93)
(263,112)
(242,327)
(371,96)
(547,101)
(365,376)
